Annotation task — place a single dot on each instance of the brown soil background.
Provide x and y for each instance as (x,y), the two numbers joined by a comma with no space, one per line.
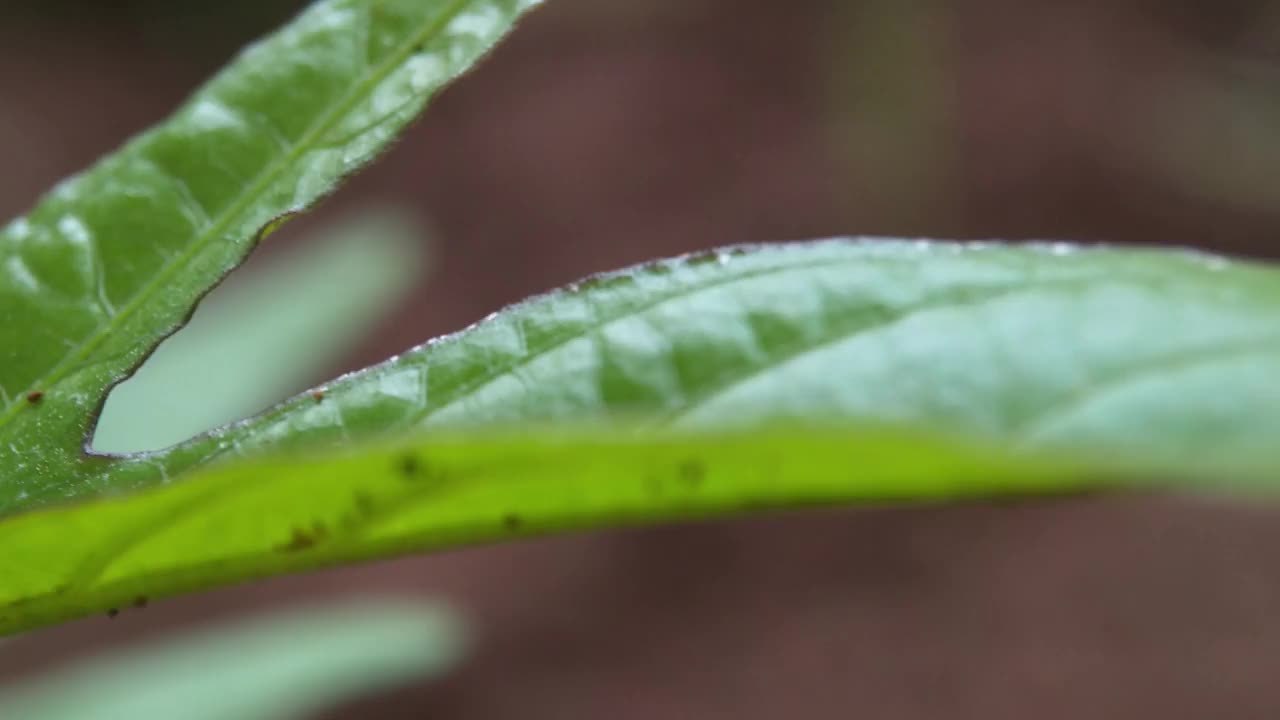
(605,133)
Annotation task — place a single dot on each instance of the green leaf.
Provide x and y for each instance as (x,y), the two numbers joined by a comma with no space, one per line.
(114,259)
(1169,358)
(289,513)
(284,311)
(996,362)
(286,665)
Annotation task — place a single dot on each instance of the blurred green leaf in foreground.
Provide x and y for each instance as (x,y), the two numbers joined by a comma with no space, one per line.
(276,667)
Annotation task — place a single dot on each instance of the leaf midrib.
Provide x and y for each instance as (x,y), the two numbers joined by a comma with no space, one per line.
(225,219)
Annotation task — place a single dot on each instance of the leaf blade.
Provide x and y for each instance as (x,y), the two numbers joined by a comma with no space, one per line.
(114,259)
(285,664)
(977,340)
(949,359)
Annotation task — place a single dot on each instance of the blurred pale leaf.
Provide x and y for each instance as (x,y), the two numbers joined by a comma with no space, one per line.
(271,668)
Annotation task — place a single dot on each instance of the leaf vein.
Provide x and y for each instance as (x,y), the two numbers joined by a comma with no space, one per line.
(1131,374)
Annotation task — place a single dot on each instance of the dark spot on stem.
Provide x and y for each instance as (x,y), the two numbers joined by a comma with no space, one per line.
(410,466)
(140,601)
(361,509)
(35,396)
(112,613)
(303,539)
(692,473)
(512,522)
(363,502)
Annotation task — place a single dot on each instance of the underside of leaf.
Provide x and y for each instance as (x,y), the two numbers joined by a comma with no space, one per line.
(290,513)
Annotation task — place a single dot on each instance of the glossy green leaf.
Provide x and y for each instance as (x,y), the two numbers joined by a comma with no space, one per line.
(114,259)
(1137,364)
(1133,363)
(266,333)
(290,513)
(1166,357)
(285,665)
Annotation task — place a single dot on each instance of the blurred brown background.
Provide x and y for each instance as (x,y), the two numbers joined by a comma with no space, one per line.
(607,132)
